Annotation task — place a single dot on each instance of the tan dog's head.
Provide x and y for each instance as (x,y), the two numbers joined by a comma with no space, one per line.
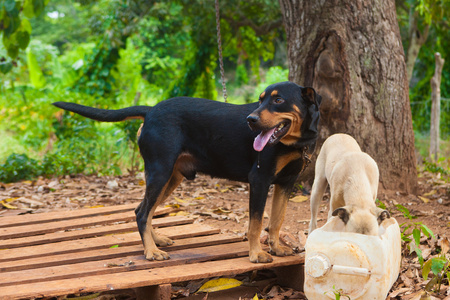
(364,221)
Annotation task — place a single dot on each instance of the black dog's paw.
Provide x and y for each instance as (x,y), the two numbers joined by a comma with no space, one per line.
(282,251)
(261,257)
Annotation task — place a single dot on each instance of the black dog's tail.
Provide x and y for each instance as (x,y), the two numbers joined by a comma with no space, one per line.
(105,115)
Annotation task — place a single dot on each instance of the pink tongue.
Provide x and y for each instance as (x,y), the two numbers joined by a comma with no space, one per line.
(261,140)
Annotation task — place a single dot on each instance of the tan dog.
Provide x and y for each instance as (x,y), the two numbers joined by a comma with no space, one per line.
(353,177)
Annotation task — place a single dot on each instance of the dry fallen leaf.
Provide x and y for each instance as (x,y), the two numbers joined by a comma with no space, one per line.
(219,284)
(8,206)
(424,199)
(299,198)
(445,245)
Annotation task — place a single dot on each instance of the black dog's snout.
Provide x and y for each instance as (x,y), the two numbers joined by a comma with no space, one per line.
(251,119)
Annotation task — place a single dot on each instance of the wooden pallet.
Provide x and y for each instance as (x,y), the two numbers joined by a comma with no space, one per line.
(99,249)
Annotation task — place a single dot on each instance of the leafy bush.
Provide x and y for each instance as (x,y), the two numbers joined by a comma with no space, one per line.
(273,75)
(435,167)
(19,167)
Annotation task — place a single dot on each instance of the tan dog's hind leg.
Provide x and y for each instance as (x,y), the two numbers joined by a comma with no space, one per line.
(279,203)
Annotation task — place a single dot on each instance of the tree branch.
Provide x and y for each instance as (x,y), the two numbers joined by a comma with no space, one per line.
(259,29)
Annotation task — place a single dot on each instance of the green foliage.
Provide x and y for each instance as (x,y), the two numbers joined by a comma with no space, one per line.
(439,266)
(435,14)
(273,75)
(241,75)
(36,75)
(432,10)
(119,19)
(15,27)
(420,91)
(59,143)
(19,167)
(435,167)
(411,232)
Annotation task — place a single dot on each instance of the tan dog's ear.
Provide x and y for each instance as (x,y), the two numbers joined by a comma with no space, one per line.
(342,213)
(382,215)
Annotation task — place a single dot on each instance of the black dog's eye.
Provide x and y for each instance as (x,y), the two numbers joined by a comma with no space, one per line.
(278,100)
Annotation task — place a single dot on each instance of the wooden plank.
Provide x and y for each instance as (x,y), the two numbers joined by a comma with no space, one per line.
(63,215)
(90,232)
(30,230)
(28,219)
(134,279)
(103,242)
(99,254)
(123,264)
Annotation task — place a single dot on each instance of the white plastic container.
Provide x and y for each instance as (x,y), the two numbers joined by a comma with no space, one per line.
(362,266)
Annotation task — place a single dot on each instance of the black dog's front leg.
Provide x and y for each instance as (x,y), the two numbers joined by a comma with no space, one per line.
(259,188)
(279,203)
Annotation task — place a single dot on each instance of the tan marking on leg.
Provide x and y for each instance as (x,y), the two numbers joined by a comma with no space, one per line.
(150,237)
(139,130)
(257,255)
(174,181)
(284,160)
(279,203)
(150,250)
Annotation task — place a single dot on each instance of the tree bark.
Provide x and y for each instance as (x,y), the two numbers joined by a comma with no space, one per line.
(435,107)
(416,40)
(351,53)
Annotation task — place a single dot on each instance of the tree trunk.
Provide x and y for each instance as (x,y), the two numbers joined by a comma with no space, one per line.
(351,53)
(416,40)
(435,107)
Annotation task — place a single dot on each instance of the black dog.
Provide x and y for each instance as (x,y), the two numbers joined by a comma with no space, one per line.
(183,136)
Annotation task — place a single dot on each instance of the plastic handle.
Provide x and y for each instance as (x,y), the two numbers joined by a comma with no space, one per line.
(350,270)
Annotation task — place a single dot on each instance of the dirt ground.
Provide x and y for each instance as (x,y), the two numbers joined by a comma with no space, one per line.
(224,204)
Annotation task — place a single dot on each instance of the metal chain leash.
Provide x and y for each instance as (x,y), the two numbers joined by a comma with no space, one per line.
(219,45)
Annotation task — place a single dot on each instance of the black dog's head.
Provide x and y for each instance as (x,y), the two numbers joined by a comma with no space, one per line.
(288,113)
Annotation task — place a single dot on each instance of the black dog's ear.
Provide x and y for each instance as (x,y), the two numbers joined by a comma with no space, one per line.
(309,128)
(310,95)
(314,100)
(342,213)
(383,215)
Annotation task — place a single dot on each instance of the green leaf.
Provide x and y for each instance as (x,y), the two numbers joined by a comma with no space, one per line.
(23,38)
(416,235)
(36,76)
(5,67)
(9,5)
(426,269)
(38,6)
(11,22)
(28,9)
(13,51)
(437,265)
(26,25)
(427,231)
(114,246)
(413,247)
